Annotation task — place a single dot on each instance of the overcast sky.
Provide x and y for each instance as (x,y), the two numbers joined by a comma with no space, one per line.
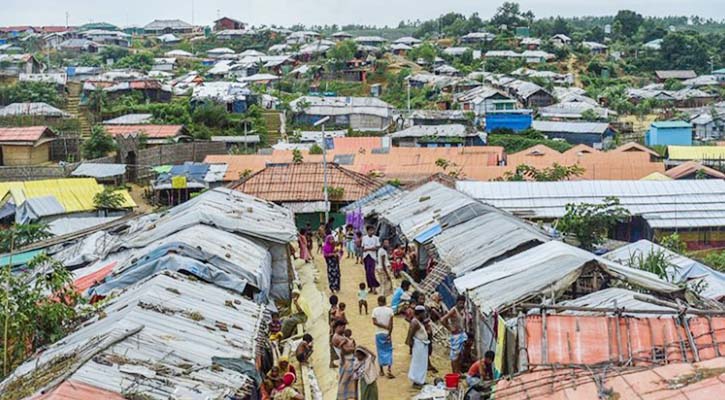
(289,12)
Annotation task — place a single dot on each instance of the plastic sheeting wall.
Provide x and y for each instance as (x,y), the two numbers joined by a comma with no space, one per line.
(594,339)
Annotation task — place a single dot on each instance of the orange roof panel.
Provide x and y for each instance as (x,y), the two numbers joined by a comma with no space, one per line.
(74,390)
(152,131)
(303,182)
(24,134)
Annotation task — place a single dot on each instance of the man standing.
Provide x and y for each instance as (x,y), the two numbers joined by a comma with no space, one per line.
(383,321)
(370,245)
(455,322)
(383,269)
(345,348)
(419,341)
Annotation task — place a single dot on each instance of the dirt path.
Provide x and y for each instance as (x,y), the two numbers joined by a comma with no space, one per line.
(364,334)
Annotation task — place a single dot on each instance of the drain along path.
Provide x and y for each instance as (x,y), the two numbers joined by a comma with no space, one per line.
(364,333)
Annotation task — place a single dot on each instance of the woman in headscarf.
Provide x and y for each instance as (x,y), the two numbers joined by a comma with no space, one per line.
(332,259)
(285,391)
(366,373)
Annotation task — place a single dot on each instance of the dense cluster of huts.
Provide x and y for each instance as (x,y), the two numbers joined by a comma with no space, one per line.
(558,316)
(183,301)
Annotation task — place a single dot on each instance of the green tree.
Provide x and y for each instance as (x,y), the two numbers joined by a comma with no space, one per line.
(341,53)
(108,199)
(673,242)
(37,308)
(685,50)
(97,100)
(554,173)
(627,23)
(21,235)
(296,156)
(142,60)
(590,115)
(23,92)
(315,149)
(590,223)
(99,144)
(509,14)
(673,84)
(211,115)
(426,51)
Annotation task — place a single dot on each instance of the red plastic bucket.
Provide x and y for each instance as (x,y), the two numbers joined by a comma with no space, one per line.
(452,380)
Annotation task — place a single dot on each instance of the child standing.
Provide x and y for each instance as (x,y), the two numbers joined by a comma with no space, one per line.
(358,247)
(362,299)
(349,241)
(340,315)
(275,328)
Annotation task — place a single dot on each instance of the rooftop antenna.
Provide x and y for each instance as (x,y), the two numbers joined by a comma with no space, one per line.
(66,19)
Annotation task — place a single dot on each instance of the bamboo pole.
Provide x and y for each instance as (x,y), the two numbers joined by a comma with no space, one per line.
(618,332)
(544,339)
(690,339)
(523,352)
(680,341)
(714,338)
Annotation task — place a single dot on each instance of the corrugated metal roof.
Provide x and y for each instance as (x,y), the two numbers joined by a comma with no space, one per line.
(159,337)
(75,194)
(226,209)
(63,226)
(672,124)
(161,24)
(449,130)
(473,244)
(606,299)
(342,106)
(682,269)
(663,204)
(384,193)
(591,340)
(689,168)
(418,210)
(403,163)
(216,173)
(213,255)
(36,208)
(697,153)
(130,119)
(152,131)
(295,182)
(36,109)
(29,134)
(674,381)
(99,170)
(549,267)
(570,127)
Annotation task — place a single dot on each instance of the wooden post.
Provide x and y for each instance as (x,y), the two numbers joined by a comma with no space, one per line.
(521,333)
(680,341)
(618,332)
(664,342)
(714,338)
(690,339)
